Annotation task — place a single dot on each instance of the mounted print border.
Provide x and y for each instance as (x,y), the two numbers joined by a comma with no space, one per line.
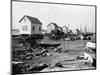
(52,37)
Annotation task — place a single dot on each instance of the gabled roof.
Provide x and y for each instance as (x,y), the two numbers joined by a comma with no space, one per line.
(64,27)
(32,19)
(53,24)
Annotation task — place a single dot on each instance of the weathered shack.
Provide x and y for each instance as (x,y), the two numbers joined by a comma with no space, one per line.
(30,25)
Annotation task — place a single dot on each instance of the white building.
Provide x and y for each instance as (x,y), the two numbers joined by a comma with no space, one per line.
(52,26)
(30,25)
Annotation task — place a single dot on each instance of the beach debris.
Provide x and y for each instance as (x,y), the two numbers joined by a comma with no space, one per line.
(85,58)
(91,46)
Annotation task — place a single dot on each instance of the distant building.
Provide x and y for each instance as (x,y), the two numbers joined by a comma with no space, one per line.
(65,29)
(30,25)
(81,36)
(93,36)
(77,31)
(52,26)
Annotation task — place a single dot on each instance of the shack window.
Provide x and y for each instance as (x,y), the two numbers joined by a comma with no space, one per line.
(33,28)
(24,28)
(39,28)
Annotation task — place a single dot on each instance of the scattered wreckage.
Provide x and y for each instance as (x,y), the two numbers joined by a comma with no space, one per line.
(91,46)
(44,51)
(85,58)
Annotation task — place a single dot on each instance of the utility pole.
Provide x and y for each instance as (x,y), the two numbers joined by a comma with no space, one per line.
(85,29)
(68,26)
(80,28)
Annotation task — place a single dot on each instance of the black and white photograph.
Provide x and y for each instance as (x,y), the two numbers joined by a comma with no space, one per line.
(52,37)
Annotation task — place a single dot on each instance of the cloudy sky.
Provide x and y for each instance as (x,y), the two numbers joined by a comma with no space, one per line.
(73,15)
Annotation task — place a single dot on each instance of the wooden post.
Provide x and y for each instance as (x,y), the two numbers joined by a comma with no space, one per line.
(64,41)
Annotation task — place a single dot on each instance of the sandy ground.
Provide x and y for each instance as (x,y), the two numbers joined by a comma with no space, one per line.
(66,57)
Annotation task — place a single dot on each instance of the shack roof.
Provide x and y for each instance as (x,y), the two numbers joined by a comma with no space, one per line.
(52,23)
(32,19)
